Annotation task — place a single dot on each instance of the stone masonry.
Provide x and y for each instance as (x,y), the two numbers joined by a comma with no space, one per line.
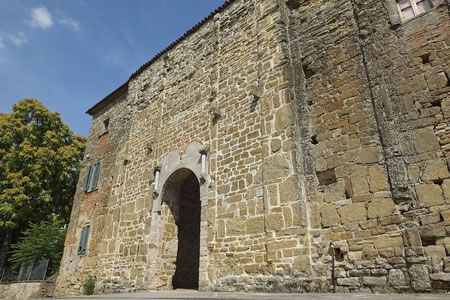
(271,137)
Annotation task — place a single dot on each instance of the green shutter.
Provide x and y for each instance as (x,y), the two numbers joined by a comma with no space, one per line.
(84,237)
(96,175)
(80,247)
(88,179)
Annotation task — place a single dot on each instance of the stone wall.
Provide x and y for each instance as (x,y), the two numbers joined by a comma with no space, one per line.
(372,105)
(26,290)
(323,124)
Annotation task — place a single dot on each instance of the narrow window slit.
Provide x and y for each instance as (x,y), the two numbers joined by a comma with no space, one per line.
(436,103)
(308,72)
(428,241)
(425,58)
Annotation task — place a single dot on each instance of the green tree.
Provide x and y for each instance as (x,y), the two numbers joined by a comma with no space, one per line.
(39,166)
(40,241)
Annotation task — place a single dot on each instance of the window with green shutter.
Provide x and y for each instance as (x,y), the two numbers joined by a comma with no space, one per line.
(88,179)
(84,237)
(92,177)
(96,175)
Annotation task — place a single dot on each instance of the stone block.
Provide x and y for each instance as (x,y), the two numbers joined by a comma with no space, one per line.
(275,167)
(368,155)
(446,190)
(374,281)
(302,263)
(274,222)
(281,244)
(275,145)
(255,225)
(425,140)
(289,190)
(441,276)
(429,194)
(380,208)
(358,178)
(435,251)
(435,170)
(397,278)
(420,278)
(437,81)
(351,281)
(382,242)
(235,227)
(329,215)
(353,212)
(283,117)
(378,180)
(445,214)
(334,192)
(412,236)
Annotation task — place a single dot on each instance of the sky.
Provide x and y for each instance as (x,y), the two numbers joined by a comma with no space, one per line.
(71,54)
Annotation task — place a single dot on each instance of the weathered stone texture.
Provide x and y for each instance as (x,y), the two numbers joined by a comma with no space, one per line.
(306,124)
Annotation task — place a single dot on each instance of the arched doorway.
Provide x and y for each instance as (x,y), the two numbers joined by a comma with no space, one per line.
(181,194)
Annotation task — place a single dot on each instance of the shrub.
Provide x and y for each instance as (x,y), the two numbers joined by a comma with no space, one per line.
(88,286)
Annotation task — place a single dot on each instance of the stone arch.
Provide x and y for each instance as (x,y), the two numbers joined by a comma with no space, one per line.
(177,176)
(181,195)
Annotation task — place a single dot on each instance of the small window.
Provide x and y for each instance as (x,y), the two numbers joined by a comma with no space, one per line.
(84,237)
(106,125)
(410,8)
(92,177)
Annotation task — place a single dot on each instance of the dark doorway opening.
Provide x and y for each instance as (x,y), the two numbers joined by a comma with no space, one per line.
(183,189)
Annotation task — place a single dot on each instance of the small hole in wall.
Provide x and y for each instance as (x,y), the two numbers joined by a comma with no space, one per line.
(314,140)
(338,254)
(293,4)
(438,181)
(425,58)
(308,71)
(436,103)
(310,102)
(428,241)
(326,177)
(348,194)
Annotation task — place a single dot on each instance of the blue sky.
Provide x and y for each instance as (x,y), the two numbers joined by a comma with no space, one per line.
(71,54)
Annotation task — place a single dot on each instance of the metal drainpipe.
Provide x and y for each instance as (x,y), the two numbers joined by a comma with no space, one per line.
(332,267)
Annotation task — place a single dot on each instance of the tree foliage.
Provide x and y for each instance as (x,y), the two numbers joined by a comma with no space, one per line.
(39,165)
(40,241)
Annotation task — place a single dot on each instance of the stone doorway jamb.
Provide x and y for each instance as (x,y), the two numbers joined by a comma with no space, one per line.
(195,159)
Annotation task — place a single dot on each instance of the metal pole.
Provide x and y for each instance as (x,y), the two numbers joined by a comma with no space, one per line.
(31,271)
(45,272)
(332,268)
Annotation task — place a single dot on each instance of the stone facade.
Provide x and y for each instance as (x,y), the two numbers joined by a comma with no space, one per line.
(271,137)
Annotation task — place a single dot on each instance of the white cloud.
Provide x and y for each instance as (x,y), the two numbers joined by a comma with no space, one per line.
(40,17)
(1,43)
(73,24)
(17,39)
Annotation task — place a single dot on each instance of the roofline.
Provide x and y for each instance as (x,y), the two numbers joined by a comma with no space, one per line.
(106,100)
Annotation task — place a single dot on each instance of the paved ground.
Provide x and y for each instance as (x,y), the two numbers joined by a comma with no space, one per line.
(252,296)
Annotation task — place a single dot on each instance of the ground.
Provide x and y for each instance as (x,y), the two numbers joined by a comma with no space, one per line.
(186,294)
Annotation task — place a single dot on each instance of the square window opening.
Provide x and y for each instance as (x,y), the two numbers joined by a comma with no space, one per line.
(409,9)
